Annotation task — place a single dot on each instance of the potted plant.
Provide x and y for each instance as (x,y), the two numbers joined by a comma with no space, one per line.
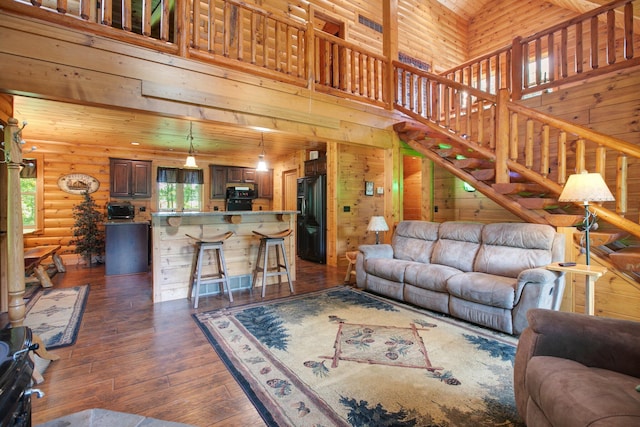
(88,235)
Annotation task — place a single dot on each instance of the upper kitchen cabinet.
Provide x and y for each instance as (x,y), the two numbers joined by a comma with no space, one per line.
(264,181)
(238,175)
(316,166)
(130,178)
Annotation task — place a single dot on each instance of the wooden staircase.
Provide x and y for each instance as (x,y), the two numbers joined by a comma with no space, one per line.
(514,155)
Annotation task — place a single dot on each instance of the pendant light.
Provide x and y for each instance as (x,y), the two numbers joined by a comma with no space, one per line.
(191,160)
(262,164)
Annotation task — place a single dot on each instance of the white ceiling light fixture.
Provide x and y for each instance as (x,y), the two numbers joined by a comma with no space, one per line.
(262,164)
(191,160)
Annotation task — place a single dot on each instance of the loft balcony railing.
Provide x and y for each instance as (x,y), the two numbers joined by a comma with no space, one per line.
(601,41)
(230,33)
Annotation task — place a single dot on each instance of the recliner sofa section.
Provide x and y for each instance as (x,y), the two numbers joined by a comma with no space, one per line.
(488,274)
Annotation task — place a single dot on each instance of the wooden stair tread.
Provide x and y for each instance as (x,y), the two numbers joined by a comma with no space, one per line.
(626,259)
(537,202)
(563,220)
(473,163)
(484,174)
(519,188)
(600,238)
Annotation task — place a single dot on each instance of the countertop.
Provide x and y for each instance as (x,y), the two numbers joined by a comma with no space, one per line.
(126,222)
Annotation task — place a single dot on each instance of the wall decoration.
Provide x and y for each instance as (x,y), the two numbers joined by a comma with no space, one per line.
(78,183)
(368,188)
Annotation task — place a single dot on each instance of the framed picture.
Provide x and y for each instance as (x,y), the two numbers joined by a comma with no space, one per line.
(368,188)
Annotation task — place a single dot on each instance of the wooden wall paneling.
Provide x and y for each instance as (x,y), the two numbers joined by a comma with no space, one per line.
(497,24)
(412,185)
(356,165)
(432,33)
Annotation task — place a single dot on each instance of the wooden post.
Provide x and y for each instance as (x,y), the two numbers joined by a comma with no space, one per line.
(389,48)
(502,139)
(15,243)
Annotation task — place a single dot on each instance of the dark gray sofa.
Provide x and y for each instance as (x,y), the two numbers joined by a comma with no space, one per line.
(488,274)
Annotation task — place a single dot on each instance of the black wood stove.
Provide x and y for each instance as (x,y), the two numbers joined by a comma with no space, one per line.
(16,368)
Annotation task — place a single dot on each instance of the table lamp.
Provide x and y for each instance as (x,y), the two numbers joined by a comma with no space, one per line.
(377,224)
(586,187)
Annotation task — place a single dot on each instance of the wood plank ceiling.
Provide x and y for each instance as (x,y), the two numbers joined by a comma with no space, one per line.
(77,124)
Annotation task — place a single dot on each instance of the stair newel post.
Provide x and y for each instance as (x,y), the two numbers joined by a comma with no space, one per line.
(15,256)
(502,140)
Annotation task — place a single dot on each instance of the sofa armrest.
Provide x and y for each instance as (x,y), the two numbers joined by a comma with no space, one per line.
(376,251)
(611,344)
(369,252)
(538,275)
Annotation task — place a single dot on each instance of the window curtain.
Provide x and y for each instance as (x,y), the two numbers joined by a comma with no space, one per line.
(29,169)
(180,176)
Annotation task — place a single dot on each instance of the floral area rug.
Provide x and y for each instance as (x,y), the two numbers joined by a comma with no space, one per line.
(343,357)
(55,315)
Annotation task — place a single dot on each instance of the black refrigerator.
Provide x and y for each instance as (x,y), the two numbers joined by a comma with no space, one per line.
(312,219)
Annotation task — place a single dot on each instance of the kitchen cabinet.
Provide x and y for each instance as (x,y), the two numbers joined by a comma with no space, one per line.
(218,181)
(316,166)
(126,247)
(130,178)
(264,181)
(239,175)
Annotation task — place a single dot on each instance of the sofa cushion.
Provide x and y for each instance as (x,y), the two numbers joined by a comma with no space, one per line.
(414,240)
(429,276)
(390,269)
(509,248)
(596,397)
(487,289)
(458,244)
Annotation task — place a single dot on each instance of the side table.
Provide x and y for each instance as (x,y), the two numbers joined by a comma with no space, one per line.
(351,257)
(592,272)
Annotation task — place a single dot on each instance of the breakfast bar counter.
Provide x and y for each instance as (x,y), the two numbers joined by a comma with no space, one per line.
(173,250)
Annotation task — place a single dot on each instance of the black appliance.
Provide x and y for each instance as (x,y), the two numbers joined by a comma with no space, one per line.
(312,219)
(240,198)
(120,210)
(16,368)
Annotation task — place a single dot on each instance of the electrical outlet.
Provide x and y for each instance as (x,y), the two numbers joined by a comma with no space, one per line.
(435,209)
(143,208)
(346,209)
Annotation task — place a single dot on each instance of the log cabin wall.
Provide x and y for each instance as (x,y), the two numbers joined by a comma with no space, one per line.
(355,166)
(430,32)
(497,24)
(412,187)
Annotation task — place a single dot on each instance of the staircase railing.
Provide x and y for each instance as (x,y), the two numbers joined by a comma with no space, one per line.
(517,138)
(567,52)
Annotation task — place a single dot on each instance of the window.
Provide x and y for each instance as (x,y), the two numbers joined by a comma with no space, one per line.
(31,193)
(180,189)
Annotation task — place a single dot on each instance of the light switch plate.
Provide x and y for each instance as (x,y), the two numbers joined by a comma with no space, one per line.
(380,190)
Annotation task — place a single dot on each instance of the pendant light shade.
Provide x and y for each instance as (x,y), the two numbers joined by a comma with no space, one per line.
(262,164)
(191,160)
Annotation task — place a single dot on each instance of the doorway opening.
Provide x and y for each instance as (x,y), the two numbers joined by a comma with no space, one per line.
(412,183)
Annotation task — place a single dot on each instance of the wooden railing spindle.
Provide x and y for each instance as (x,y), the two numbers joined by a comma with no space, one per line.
(621,185)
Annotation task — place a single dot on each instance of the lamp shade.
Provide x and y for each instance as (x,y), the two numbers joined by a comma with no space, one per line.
(586,187)
(377,223)
(191,162)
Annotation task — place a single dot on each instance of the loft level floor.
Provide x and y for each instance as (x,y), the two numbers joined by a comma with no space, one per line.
(137,357)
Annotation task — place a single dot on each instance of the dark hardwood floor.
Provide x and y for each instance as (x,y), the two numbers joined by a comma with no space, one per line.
(152,359)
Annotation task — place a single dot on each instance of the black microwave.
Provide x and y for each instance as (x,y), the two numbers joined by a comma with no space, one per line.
(120,210)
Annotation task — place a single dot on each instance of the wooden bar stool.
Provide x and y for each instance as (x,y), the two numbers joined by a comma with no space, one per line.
(221,276)
(267,241)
